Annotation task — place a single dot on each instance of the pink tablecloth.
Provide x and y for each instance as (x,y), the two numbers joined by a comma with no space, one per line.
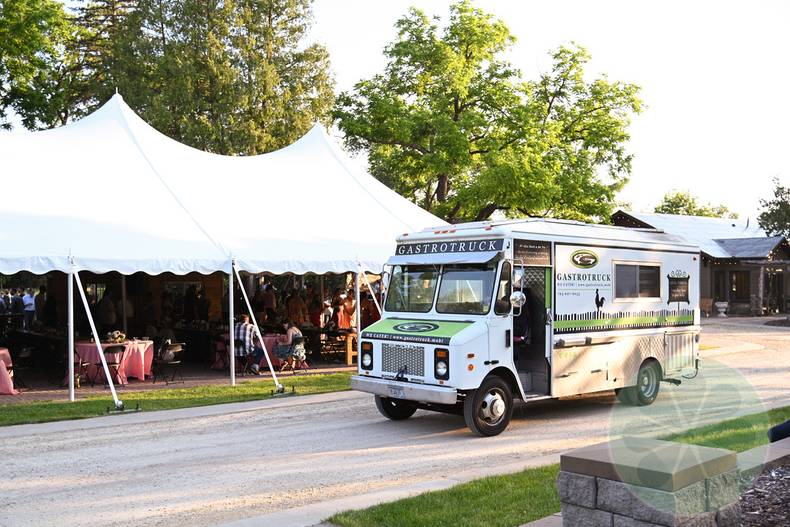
(137,359)
(270,341)
(6,382)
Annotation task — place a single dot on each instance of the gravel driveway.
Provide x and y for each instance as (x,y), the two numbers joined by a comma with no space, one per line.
(167,469)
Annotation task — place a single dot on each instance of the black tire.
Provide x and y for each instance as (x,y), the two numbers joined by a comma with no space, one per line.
(395,409)
(478,410)
(648,383)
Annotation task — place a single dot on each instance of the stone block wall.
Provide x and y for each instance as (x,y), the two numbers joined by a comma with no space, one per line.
(634,482)
(589,501)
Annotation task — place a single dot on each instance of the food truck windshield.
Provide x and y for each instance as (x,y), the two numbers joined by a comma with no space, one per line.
(463,288)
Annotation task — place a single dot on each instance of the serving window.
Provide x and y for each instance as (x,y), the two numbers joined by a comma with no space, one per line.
(633,281)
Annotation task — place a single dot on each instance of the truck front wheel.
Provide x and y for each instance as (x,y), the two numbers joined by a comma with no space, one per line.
(395,409)
(488,409)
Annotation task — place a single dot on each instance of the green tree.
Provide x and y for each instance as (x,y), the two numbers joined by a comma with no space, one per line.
(231,77)
(450,124)
(33,34)
(284,87)
(684,203)
(775,215)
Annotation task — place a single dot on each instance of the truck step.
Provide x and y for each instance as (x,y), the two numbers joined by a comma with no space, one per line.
(526,380)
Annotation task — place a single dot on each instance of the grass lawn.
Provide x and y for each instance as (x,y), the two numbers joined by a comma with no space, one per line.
(168,398)
(739,434)
(515,499)
(496,501)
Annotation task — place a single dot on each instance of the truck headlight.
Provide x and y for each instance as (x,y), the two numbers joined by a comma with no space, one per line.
(366,360)
(441,364)
(441,369)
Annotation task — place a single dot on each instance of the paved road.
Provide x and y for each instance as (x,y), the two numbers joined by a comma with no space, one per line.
(217,465)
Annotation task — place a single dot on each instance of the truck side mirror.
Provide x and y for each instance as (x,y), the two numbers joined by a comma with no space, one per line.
(518,299)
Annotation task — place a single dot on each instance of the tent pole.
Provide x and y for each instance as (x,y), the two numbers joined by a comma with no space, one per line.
(70,326)
(258,333)
(123,302)
(231,324)
(118,403)
(358,315)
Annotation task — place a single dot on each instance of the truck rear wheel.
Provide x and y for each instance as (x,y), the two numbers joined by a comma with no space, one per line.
(488,409)
(648,382)
(395,409)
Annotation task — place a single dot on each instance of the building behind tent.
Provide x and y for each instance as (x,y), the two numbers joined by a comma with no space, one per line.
(740,263)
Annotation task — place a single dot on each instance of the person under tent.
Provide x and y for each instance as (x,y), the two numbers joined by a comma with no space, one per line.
(245,333)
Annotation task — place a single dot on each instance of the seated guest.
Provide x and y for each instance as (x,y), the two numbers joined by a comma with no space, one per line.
(291,346)
(245,332)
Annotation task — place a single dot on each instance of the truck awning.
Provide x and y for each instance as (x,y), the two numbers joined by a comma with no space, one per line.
(444,258)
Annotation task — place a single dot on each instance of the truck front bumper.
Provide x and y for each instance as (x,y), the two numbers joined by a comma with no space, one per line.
(405,390)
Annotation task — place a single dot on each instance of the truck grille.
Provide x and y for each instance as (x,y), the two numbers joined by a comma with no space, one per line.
(395,356)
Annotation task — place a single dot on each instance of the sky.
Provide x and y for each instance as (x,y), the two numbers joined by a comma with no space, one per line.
(714,77)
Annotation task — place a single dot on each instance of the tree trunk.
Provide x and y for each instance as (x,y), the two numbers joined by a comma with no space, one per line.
(486,211)
(441,188)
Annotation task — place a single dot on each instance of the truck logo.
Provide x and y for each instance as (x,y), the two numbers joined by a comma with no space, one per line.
(415,327)
(584,259)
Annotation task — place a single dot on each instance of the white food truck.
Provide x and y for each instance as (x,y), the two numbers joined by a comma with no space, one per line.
(478,315)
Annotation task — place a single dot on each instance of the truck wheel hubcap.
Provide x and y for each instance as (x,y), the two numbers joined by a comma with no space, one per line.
(649,382)
(492,407)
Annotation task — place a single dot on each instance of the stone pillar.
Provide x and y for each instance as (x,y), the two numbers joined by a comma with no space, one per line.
(648,483)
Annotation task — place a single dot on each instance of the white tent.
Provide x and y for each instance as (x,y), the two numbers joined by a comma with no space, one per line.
(115,194)
(110,193)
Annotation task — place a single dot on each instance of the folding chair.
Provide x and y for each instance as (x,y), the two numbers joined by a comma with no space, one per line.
(113,356)
(243,362)
(169,356)
(22,362)
(80,369)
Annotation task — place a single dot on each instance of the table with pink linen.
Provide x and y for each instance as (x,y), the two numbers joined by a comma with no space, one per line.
(6,382)
(137,359)
(270,342)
